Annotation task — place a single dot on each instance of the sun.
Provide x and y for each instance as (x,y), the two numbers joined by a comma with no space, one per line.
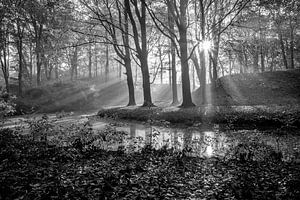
(207,45)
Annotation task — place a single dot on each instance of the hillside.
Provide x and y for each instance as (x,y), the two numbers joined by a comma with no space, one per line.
(280,87)
(88,96)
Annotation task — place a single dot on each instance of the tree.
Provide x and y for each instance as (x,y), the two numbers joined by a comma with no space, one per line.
(5,26)
(285,16)
(140,41)
(173,59)
(178,13)
(114,21)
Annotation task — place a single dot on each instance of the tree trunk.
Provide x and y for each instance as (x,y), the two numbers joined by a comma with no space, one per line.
(161,65)
(144,58)
(20,66)
(255,60)
(146,81)
(95,61)
(38,63)
(196,66)
(173,73)
(216,44)
(5,61)
(186,88)
(90,60)
(128,66)
(262,59)
(56,66)
(5,70)
(141,49)
(130,85)
(107,64)
(73,62)
(75,57)
(284,59)
(246,59)
(30,62)
(120,71)
(203,77)
(202,55)
(174,76)
(292,48)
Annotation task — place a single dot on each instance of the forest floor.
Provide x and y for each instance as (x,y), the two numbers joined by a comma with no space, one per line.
(79,169)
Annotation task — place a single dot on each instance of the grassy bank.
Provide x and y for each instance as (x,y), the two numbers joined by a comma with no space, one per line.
(233,116)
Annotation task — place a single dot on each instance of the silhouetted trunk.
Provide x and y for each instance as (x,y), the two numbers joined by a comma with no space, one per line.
(230,62)
(90,60)
(38,62)
(196,66)
(107,63)
(284,59)
(20,44)
(210,68)
(56,66)
(262,59)
(141,49)
(186,88)
(4,59)
(125,55)
(128,67)
(193,78)
(245,58)
(202,55)
(203,77)
(255,60)
(120,71)
(56,71)
(161,65)
(130,85)
(48,68)
(73,60)
(216,45)
(30,62)
(292,47)
(5,71)
(173,61)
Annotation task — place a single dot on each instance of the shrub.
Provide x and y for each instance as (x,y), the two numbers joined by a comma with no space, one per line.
(7,105)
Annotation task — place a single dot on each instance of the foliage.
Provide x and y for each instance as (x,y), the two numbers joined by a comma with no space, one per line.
(7,105)
(33,170)
(40,129)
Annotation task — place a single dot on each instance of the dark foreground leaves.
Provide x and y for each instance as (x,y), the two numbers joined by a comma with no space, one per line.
(36,170)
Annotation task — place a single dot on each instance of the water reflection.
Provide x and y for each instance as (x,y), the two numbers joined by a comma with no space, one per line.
(207,142)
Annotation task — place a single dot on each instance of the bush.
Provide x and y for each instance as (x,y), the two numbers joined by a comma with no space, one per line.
(7,105)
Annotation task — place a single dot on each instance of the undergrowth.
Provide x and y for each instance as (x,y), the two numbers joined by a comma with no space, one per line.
(75,162)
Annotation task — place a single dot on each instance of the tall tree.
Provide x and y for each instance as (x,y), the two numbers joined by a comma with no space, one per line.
(173,59)
(140,41)
(115,22)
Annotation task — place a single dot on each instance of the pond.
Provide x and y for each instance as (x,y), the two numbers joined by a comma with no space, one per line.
(209,141)
(206,141)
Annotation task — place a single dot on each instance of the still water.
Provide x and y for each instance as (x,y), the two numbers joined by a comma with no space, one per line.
(207,141)
(201,141)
